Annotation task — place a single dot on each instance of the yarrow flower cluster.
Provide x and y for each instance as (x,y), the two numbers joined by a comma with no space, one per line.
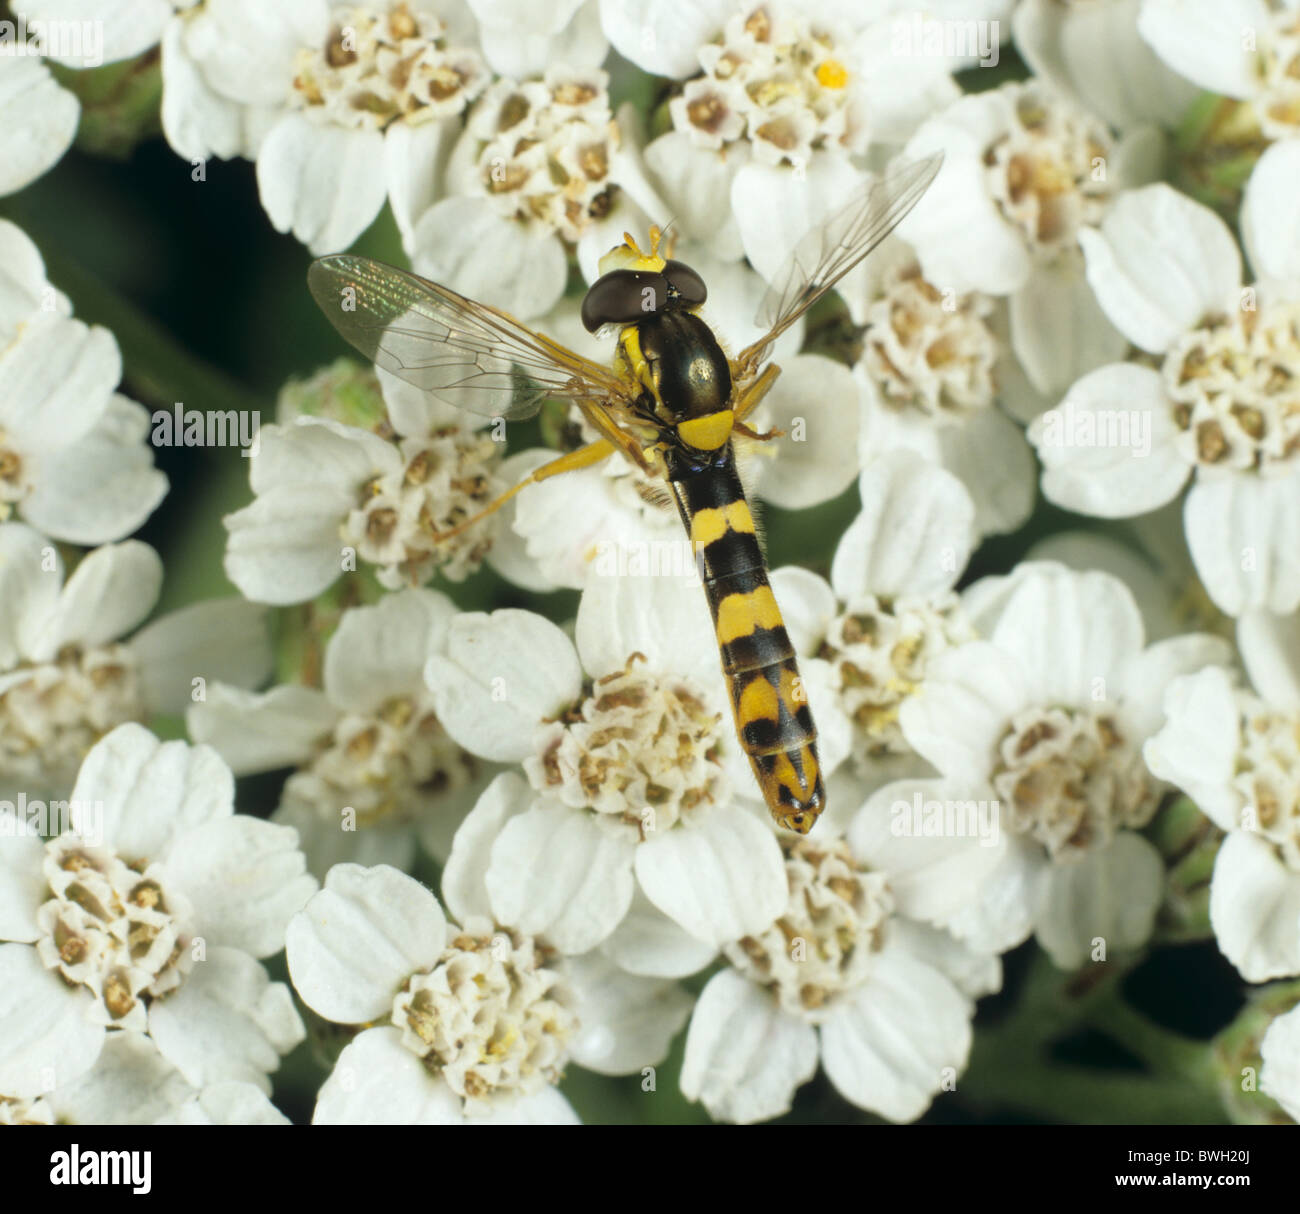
(777,79)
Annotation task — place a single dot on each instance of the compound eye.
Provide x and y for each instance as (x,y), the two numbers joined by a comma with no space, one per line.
(623,297)
(686,282)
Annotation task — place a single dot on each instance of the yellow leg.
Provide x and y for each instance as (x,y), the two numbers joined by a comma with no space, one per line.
(749,399)
(618,439)
(583,457)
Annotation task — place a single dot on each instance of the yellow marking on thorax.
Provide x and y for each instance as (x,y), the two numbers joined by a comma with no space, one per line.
(739,615)
(709,432)
(629,342)
(714,522)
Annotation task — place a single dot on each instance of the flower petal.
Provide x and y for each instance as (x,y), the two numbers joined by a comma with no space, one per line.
(1111,896)
(325,184)
(503,674)
(378,1081)
(816,404)
(744,1056)
(648,942)
(245,879)
(1160,264)
(360,938)
(219,641)
(663,39)
(39,120)
(1269,222)
(718,874)
(627,1022)
(228,1021)
(901,1037)
(956,719)
(1197,747)
(1255,908)
(56,380)
(465,244)
(46,1038)
(562,874)
(1108,448)
(931,876)
(1244,532)
(108,594)
(1204,41)
(776,206)
(259,732)
(914,535)
(152,792)
(379,652)
(464,879)
(1073,633)
(1270,651)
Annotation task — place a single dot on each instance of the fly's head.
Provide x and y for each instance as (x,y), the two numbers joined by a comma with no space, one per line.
(634,283)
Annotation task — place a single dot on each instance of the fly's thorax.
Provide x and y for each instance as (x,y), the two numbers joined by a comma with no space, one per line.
(690,373)
(686,383)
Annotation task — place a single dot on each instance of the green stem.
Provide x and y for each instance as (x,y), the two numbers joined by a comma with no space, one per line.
(1167,1054)
(1012,1064)
(1086,1097)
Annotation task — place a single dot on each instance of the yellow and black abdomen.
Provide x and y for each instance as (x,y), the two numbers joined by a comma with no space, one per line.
(773,721)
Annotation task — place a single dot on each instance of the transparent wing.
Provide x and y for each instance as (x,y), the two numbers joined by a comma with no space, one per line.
(831,250)
(468,354)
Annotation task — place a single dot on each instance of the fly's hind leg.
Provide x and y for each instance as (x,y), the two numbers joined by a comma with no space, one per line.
(583,457)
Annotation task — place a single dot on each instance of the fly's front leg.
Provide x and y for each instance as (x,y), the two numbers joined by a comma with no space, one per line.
(617,438)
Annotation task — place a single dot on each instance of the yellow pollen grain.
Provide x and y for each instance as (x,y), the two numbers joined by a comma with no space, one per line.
(832,74)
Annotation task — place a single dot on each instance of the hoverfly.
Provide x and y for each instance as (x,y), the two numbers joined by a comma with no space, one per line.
(672,403)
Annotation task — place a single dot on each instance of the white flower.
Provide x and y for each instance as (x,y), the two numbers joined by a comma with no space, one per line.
(68,675)
(327,494)
(1246,49)
(342,104)
(1237,755)
(1047,719)
(133,1084)
(885,1002)
(1222,400)
(123,30)
(1096,52)
(929,373)
(148,916)
(523,37)
(1280,1075)
(478,1022)
(38,121)
(632,768)
(889,609)
(1151,559)
(762,141)
(533,172)
(74,461)
(376,771)
(1025,168)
